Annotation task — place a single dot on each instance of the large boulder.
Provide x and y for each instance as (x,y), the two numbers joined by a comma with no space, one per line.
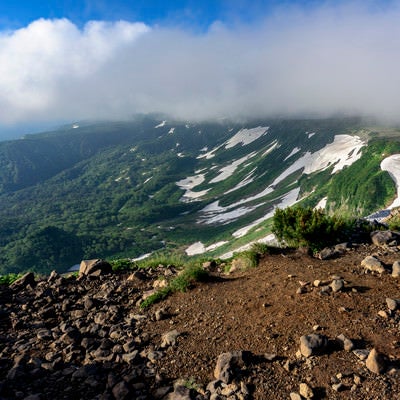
(27,280)
(94,267)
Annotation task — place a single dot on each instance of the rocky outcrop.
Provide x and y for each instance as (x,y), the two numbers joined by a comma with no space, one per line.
(94,267)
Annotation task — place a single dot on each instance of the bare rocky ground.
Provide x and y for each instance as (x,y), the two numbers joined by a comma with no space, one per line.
(236,336)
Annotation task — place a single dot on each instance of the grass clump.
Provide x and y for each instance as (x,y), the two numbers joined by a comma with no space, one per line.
(306,227)
(186,278)
(122,264)
(8,279)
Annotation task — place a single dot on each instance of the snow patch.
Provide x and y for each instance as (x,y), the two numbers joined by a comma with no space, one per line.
(210,154)
(75,126)
(392,166)
(286,201)
(191,181)
(161,124)
(226,217)
(147,180)
(247,179)
(269,239)
(228,170)
(293,152)
(199,248)
(246,136)
(321,204)
(188,184)
(344,151)
(171,131)
(142,257)
(274,145)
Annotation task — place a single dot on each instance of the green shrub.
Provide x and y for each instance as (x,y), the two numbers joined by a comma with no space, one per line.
(180,283)
(122,264)
(306,227)
(9,278)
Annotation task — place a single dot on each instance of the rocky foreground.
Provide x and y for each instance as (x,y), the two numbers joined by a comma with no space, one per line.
(296,327)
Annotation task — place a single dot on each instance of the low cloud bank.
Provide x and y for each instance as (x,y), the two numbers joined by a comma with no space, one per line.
(328,60)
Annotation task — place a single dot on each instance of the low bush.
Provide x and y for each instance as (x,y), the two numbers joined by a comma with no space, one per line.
(9,278)
(306,227)
(180,283)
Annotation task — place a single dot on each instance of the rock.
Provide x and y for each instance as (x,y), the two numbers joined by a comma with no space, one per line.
(130,357)
(313,344)
(396,269)
(328,253)
(393,304)
(94,267)
(44,334)
(337,387)
(295,396)
(337,285)
(306,391)
(372,264)
(375,362)
(384,238)
(160,314)
(121,391)
(137,275)
(169,338)
(24,281)
(383,314)
(228,364)
(346,343)
(361,354)
(181,393)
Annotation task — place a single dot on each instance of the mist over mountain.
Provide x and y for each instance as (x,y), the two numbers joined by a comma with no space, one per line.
(316,61)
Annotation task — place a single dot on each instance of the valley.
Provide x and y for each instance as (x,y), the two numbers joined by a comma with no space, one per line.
(124,189)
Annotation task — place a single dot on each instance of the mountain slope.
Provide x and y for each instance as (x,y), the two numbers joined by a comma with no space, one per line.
(129,188)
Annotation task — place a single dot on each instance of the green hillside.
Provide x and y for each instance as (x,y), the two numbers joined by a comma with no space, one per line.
(115,189)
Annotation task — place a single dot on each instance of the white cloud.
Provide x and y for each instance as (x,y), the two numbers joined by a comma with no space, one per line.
(326,60)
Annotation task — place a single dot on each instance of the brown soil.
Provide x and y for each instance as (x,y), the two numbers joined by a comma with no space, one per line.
(258,310)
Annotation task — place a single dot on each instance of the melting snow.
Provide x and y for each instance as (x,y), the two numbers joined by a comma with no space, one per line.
(344,151)
(310,135)
(75,126)
(392,166)
(161,124)
(321,204)
(210,154)
(269,239)
(227,171)
(188,184)
(191,181)
(293,152)
(248,179)
(228,216)
(199,248)
(286,201)
(274,145)
(180,155)
(171,131)
(148,179)
(246,136)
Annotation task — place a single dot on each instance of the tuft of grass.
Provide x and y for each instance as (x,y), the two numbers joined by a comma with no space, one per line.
(180,283)
(9,278)
(162,258)
(122,264)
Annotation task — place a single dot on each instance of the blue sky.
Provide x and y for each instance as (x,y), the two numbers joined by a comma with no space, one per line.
(65,61)
(200,13)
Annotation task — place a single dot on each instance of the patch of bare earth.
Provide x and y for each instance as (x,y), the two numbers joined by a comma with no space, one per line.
(259,310)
